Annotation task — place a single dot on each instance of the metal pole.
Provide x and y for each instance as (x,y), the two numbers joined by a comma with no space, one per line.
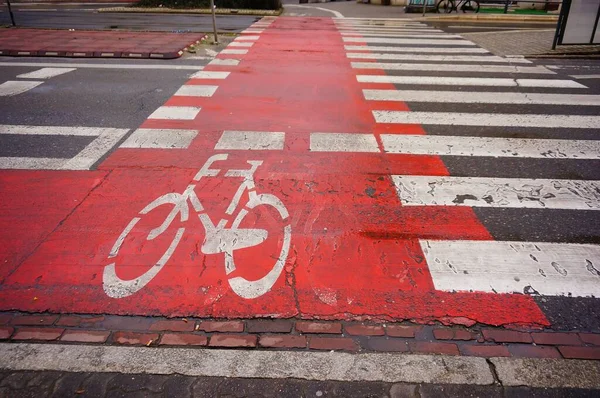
(424,6)
(506,6)
(214,19)
(559,24)
(12,17)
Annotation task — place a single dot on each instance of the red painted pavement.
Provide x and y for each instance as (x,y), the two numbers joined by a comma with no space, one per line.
(40,42)
(354,249)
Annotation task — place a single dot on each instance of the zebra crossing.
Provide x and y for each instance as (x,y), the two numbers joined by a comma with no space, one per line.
(532,116)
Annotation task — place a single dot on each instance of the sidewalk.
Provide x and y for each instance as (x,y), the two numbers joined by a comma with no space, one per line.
(101,44)
(528,43)
(242,373)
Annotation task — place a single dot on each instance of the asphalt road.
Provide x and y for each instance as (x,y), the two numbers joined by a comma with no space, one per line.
(84,17)
(97,93)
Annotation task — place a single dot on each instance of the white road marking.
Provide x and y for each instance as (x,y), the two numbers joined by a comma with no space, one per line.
(45,73)
(240,44)
(416,40)
(251,140)
(51,130)
(491,146)
(192,90)
(548,269)
(210,75)
(252,31)
(106,139)
(442,58)
(469,81)
(488,119)
(343,142)
(160,138)
(479,68)
(225,62)
(26,163)
(335,13)
(419,49)
(479,97)
(406,36)
(549,83)
(519,193)
(102,66)
(585,76)
(387,32)
(379,23)
(247,38)
(85,159)
(175,113)
(234,51)
(14,87)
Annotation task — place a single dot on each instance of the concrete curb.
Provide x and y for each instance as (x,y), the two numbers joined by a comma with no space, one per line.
(334,366)
(164,10)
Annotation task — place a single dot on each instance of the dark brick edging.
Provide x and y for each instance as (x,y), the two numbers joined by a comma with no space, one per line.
(481,341)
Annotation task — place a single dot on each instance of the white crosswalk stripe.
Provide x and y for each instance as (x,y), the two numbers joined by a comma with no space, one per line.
(466,50)
(384,39)
(192,90)
(175,113)
(445,145)
(104,140)
(160,138)
(435,40)
(471,68)
(443,58)
(336,142)
(514,267)
(498,192)
(515,132)
(45,73)
(489,119)
(387,32)
(251,140)
(14,87)
(478,97)
(469,81)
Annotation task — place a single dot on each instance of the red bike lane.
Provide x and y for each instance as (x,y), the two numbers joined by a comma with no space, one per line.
(354,251)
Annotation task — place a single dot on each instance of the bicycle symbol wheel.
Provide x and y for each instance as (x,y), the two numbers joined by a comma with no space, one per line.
(116,287)
(253,289)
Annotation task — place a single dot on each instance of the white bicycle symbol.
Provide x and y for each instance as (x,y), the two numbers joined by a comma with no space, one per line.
(219,238)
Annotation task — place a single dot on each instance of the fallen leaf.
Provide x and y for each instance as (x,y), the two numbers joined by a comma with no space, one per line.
(80,391)
(185,320)
(149,343)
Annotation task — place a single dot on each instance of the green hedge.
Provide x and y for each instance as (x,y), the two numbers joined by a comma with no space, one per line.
(235,4)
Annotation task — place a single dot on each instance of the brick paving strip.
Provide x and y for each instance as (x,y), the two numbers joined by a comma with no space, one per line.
(94,44)
(292,334)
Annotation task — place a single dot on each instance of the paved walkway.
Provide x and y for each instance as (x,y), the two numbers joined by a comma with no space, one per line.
(104,44)
(525,42)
